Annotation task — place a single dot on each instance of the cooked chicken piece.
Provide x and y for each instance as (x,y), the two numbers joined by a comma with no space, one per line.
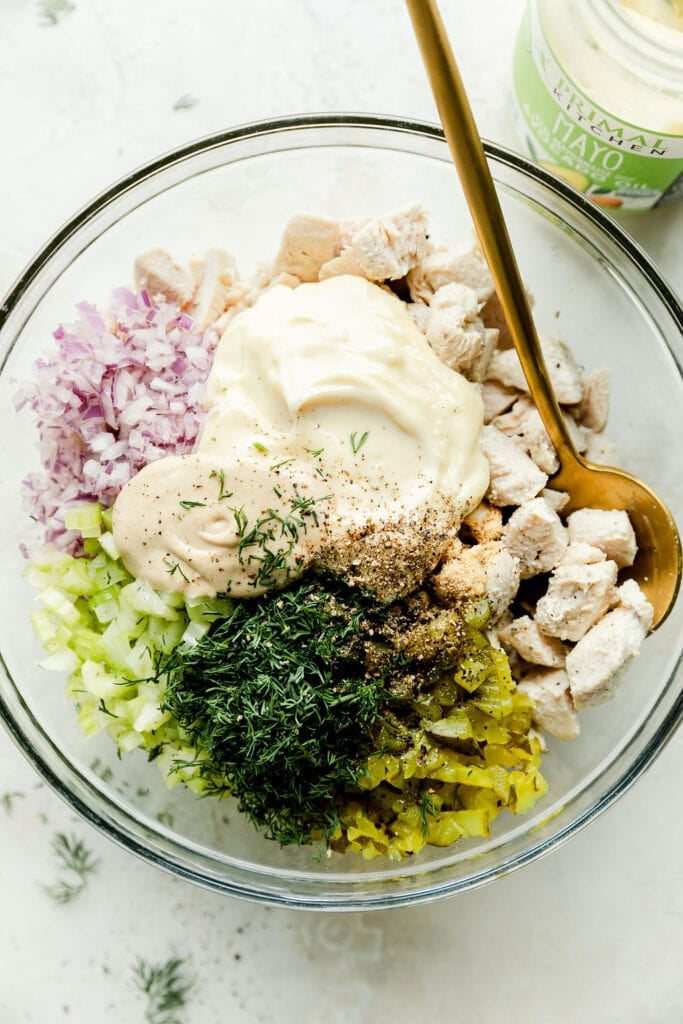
(531,644)
(420,314)
(580,591)
(460,577)
(536,536)
(483,524)
(445,264)
(217,287)
(594,664)
(556,499)
(524,425)
(456,333)
(600,449)
(502,576)
(492,315)
(554,710)
(307,243)
(514,477)
(611,531)
(497,398)
(593,409)
(564,372)
(157,273)
(384,249)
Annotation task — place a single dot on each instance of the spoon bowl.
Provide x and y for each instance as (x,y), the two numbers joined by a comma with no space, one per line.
(657,568)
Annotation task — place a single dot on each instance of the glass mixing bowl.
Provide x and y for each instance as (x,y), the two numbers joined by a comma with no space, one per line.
(237,189)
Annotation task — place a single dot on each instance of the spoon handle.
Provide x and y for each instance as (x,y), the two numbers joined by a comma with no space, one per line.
(469,158)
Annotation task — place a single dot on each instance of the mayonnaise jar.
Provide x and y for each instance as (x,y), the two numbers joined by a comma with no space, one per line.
(599,96)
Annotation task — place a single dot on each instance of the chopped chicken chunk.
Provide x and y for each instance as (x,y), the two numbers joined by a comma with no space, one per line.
(514,477)
(446,264)
(556,499)
(594,665)
(580,591)
(524,425)
(536,536)
(484,523)
(308,243)
(384,249)
(502,576)
(564,372)
(593,409)
(497,398)
(554,710)
(217,287)
(456,333)
(531,644)
(492,315)
(157,273)
(611,531)
(461,575)
(600,449)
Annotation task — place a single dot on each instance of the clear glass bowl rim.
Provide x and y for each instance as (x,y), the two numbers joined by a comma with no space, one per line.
(336,900)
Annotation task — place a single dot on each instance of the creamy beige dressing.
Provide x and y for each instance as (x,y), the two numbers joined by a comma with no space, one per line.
(328,414)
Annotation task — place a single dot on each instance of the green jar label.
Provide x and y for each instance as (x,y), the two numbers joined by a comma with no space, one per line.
(615,163)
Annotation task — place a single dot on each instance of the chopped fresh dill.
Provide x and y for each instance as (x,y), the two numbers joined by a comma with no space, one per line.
(175,567)
(427,807)
(285,462)
(165,987)
(277,493)
(186,503)
(278,696)
(7,800)
(52,10)
(315,452)
(78,863)
(356,443)
(270,542)
(222,492)
(105,710)
(185,102)
(260,447)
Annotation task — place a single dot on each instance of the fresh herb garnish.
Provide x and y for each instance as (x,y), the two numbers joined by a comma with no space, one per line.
(185,102)
(278,697)
(186,503)
(7,801)
(104,709)
(260,447)
(77,861)
(270,542)
(222,492)
(426,807)
(175,567)
(285,462)
(52,10)
(356,443)
(165,987)
(315,452)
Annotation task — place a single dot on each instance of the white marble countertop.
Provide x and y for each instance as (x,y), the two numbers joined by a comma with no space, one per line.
(591,933)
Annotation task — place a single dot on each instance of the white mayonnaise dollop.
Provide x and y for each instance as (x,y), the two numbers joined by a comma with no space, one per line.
(334,435)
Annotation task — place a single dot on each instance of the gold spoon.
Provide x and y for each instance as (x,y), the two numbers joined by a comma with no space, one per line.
(657,568)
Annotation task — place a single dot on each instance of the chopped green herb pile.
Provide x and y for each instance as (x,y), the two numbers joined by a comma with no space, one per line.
(277,696)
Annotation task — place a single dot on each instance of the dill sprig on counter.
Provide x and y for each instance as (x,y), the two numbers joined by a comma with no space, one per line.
(78,862)
(165,987)
(278,696)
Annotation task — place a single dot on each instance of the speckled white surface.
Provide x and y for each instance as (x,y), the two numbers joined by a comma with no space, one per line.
(592,933)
